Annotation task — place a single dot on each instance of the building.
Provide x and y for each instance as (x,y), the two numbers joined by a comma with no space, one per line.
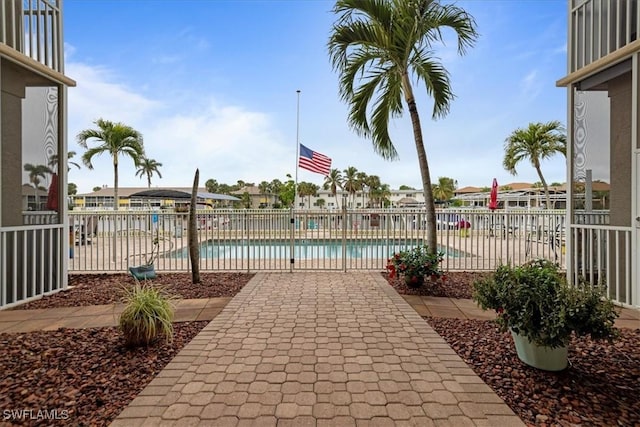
(603,84)
(164,198)
(33,234)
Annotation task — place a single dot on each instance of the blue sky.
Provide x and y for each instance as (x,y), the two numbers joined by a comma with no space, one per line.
(211,84)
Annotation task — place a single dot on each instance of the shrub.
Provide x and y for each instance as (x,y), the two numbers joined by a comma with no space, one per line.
(415,263)
(148,313)
(536,301)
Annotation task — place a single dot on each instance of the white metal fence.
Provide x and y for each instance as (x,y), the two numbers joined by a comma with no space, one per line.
(281,240)
(31,262)
(602,256)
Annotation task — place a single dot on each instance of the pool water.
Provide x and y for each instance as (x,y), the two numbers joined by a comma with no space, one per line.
(303,249)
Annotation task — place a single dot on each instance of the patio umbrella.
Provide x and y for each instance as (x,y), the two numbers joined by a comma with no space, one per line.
(52,197)
(493,198)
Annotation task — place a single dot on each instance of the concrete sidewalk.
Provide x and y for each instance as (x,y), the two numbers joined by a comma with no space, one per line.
(317,348)
(97,316)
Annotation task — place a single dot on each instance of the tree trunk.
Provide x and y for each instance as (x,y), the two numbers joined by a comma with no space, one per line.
(115,204)
(544,185)
(430,209)
(194,252)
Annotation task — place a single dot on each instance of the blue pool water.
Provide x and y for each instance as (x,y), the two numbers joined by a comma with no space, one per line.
(303,249)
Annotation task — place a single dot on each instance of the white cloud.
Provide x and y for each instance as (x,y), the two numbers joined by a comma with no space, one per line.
(225,142)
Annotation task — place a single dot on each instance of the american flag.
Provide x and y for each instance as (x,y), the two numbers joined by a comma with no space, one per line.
(314,161)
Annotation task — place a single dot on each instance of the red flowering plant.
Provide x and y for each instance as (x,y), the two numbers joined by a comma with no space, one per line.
(414,264)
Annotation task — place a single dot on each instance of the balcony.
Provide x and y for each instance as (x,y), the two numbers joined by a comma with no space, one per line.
(599,28)
(34,29)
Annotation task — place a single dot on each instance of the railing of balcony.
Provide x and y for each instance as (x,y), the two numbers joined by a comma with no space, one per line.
(600,27)
(33,28)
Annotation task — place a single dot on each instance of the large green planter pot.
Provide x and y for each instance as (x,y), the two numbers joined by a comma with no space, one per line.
(545,358)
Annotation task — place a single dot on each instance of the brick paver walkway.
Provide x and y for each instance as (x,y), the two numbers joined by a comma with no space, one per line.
(317,349)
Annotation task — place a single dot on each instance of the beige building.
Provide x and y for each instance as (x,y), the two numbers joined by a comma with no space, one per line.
(603,84)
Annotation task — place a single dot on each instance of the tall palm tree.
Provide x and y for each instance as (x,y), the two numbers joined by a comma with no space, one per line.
(372,182)
(332,182)
(147,167)
(35,173)
(362,182)
(350,182)
(116,140)
(379,47)
(307,189)
(535,143)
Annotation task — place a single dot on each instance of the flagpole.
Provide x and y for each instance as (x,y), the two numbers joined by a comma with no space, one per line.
(295,189)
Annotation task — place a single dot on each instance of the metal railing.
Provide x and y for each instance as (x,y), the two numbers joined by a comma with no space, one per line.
(31,262)
(281,240)
(600,27)
(34,28)
(602,256)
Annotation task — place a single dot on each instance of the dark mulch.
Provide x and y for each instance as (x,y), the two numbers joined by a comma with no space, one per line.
(454,284)
(95,289)
(600,388)
(79,376)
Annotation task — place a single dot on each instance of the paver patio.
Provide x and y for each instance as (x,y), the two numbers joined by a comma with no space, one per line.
(317,348)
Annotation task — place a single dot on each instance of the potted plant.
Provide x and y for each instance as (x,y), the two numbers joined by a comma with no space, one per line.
(542,310)
(147,270)
(414,264)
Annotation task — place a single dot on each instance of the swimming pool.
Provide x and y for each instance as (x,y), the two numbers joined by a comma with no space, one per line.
(303,249)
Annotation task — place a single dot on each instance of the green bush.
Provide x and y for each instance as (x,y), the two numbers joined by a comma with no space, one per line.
(148,313)
(536,301)
(416,262)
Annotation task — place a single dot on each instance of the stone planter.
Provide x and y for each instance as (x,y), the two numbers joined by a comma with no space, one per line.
(544,358)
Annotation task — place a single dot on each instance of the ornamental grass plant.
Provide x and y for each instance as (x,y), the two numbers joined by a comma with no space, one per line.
(148,313)
(535,300)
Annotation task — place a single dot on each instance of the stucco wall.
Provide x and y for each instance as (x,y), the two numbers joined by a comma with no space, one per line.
(11,146)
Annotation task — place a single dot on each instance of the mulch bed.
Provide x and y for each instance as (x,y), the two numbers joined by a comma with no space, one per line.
(92,376)
(601,387)
(96,289)
(78,376)
(454,284)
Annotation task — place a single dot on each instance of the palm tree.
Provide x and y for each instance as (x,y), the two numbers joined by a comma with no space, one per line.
(307,189)
(379,194)
(444,189)
(350,182)
(537,142)
(53,161)
(35,173)
(148,167)
(116,139)
(332,182)
(379,47)
(362,182)
(372,182)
